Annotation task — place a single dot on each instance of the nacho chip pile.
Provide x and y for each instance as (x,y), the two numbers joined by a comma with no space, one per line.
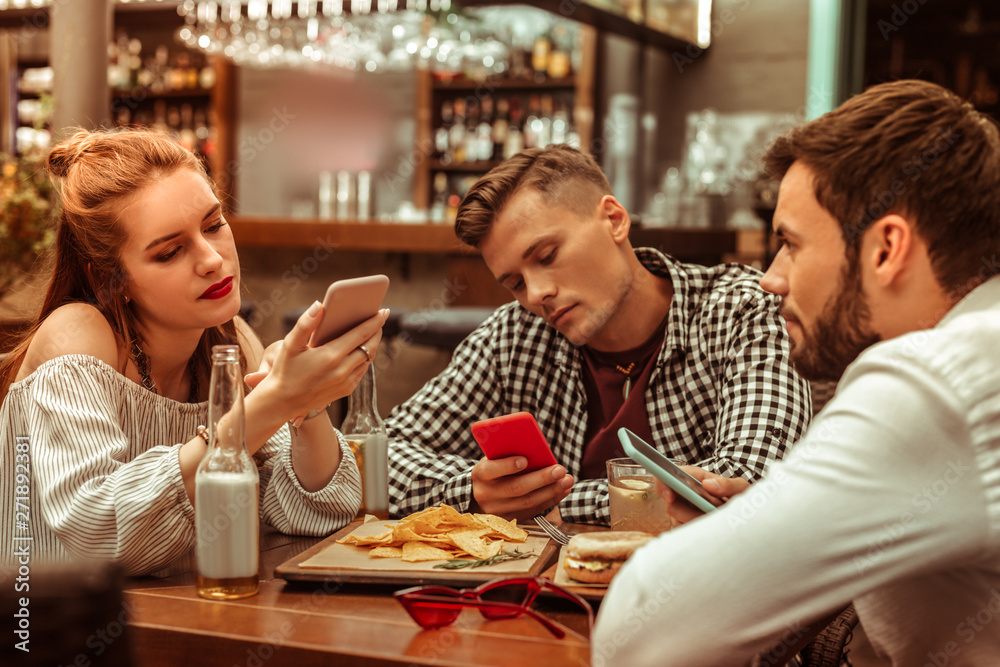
(441,533)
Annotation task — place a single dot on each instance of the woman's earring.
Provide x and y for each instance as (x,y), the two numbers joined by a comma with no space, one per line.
(127,299)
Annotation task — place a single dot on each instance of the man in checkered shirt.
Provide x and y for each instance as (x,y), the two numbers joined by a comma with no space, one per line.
(695,360)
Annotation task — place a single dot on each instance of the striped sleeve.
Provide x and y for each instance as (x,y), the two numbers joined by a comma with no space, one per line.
(97,502)
(288,507)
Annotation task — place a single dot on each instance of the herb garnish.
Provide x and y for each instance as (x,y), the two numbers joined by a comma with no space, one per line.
(459,563)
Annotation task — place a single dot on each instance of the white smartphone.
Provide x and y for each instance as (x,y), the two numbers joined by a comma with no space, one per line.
(347,304)
(667,471)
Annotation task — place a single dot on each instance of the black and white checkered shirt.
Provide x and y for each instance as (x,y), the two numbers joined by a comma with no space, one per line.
(722,396)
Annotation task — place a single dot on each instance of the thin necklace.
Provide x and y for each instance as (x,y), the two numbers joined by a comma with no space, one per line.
(628,378)
(141,362)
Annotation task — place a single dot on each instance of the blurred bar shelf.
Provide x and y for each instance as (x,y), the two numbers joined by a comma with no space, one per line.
(708,245)
(373,236)
(491,84)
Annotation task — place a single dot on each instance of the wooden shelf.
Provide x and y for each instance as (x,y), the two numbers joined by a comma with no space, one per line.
(707,245)
(481,166)
(349,235)
(146,95)
(494,84)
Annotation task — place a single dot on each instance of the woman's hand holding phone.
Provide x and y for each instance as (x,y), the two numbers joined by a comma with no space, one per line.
(331,344)
(302,377)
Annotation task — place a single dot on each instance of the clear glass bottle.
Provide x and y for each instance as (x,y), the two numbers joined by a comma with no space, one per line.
(227,520)
(369,441)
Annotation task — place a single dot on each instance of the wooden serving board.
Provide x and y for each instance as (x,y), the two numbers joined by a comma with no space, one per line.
(328,561)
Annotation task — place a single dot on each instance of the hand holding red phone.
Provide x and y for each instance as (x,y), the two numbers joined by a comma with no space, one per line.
(519,478)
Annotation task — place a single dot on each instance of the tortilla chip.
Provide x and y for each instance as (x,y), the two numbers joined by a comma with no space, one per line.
(503,529)
(386,552)
(441,533)
(382,539)
(472,541)
(416,552)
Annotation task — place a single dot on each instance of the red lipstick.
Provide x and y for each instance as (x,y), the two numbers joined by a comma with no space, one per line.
(218,290)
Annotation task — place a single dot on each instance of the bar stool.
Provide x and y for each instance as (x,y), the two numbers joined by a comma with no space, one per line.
(390,329)
(443,329)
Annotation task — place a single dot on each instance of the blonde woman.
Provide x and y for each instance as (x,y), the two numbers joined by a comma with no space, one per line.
(103,397)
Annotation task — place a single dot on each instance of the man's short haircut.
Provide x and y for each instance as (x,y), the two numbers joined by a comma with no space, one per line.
(915,149)
(562,175)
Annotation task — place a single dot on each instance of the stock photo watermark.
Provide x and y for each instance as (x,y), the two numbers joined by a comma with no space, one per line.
(900,13)
(22,541)
(967,631)
(634,623)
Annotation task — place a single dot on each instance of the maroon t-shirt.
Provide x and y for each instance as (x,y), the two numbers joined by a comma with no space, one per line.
(607,408)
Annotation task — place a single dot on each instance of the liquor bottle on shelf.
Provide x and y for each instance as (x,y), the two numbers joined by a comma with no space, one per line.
(515,142)
(471,139)
(439,203)
(206,75)
(545,122)
(227,521)
(559,63)
(161,70)
(452,209)
(174,121)
(560,125)
(572,136)
(498,134)
(532,124)
(540,51)
(186,135)
(114,73)
(484,131)
(191,71)
(178,75)
(202,133)
(367,436)
(456,133)
(160,116)
(442,135)
(520,57)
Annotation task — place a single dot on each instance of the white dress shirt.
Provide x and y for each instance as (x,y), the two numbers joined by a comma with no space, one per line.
(891,500)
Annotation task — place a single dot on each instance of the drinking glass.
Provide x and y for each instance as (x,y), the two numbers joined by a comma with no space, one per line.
(634,502)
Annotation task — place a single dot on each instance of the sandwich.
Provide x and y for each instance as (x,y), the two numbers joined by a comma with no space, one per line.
(595,558)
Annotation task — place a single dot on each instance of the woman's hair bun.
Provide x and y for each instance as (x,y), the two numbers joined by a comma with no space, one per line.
(65,153)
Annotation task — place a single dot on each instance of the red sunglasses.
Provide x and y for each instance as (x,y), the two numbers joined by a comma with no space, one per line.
(437,606)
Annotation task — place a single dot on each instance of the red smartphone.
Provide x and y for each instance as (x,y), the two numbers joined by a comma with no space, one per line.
(514,435)
(348,303)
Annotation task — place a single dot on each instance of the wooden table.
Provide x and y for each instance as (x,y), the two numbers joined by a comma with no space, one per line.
(329,624)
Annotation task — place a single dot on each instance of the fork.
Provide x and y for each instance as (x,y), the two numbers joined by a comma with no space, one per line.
(551,530)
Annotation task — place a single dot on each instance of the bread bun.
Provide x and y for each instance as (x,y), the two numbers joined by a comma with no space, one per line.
(596,557)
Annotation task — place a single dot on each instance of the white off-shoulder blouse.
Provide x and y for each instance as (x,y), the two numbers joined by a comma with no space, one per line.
(95,473)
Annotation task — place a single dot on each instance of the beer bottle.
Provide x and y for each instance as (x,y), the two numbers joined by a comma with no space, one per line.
(366,434)
(227,520)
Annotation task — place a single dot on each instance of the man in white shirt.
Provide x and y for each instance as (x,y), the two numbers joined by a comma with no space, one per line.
(889,215)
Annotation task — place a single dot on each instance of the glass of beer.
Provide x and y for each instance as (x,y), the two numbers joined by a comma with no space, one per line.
(634,502)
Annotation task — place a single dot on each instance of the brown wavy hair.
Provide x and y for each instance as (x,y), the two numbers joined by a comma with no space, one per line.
(98,174)
(913,148)
(563,175)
